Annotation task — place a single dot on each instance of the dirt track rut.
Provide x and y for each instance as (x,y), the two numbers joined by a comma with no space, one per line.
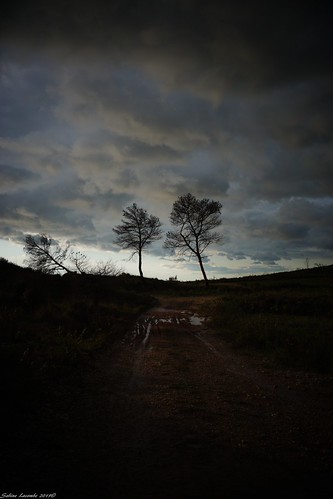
(170,411)
(193,419)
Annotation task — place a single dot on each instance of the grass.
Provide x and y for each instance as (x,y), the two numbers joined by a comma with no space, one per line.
(53,330)
(52,325)
(289,316)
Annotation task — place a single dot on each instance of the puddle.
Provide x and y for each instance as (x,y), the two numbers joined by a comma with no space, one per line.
(196,320)
(169,320)
(146,338)
(140,334)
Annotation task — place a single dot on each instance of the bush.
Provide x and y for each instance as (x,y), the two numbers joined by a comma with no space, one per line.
(292,323)
(50,324)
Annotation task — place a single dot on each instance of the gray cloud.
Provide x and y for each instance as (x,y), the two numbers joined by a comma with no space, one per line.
(258,44)
(11,177)
(25,98)
(289,230)
(107,103)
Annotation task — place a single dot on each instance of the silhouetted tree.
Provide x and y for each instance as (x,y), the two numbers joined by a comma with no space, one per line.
(138,230)
(48,256)
(195,219)
(105,268)
(80,262)
(83,266)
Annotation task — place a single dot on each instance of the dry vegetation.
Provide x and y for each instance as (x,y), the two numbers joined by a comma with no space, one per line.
(287,315)
(50,323)
(69,381)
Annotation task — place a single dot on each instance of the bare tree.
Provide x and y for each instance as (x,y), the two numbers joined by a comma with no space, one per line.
(48,256)
(138,230)
(195,220)
(80,262)
(45,254)
(83,266)
(106,268)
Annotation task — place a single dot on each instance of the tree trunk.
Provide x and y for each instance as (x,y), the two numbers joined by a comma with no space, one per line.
(202,269)
(140,265)
(60,265)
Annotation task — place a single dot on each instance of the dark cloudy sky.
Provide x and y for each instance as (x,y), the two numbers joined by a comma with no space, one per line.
(103,104)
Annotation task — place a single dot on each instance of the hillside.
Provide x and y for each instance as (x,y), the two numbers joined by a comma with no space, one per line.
(167,389)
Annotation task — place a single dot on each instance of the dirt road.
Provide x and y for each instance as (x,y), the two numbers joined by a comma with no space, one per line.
(173,412)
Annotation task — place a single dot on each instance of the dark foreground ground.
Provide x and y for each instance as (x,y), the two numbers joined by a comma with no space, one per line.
(170,411)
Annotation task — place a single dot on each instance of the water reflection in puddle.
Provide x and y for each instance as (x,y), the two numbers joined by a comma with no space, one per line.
(139,336)
(196,320)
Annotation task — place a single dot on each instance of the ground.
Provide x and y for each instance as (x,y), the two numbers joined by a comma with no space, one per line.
(169,410)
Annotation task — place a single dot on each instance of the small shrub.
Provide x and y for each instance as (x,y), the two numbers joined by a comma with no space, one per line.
(293,324)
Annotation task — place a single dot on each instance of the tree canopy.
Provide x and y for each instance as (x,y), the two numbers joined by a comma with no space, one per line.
(137,231)
(195,221)
(45,254)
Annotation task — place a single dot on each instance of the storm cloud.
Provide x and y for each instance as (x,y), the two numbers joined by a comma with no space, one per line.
(107,103)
